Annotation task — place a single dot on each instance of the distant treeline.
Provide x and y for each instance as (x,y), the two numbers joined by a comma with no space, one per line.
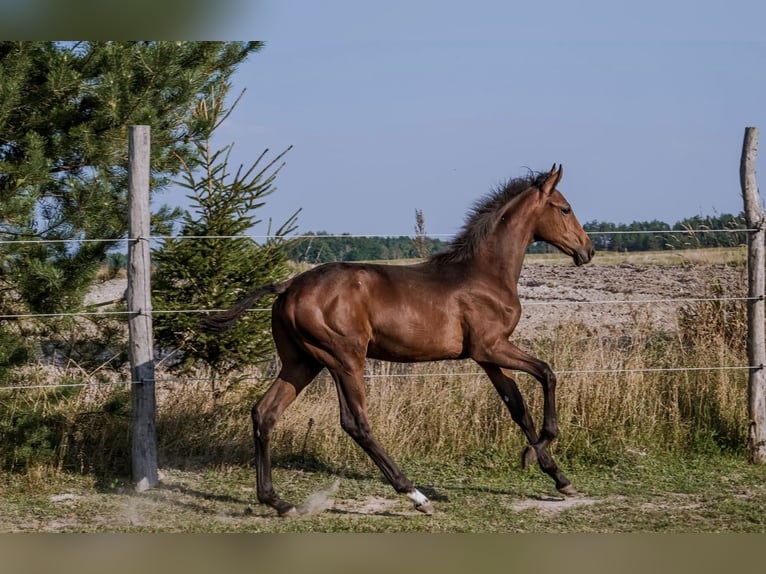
(322,247)
(689,233)
(692,232)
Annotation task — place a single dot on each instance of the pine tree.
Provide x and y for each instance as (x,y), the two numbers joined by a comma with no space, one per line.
(210,265)
(64,114)
(65,109)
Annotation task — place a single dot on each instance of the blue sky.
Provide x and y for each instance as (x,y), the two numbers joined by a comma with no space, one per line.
(402,105)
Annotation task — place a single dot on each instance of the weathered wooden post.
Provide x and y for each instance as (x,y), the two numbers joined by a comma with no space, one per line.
(756,343)
(144,439)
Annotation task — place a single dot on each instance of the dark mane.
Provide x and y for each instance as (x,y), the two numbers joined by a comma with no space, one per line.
(482,218)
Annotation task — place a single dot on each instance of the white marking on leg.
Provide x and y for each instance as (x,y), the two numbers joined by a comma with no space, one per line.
(505,398)
(422,504)
(418,497)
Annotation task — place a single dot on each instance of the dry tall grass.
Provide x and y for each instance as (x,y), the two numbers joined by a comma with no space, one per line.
(614,396)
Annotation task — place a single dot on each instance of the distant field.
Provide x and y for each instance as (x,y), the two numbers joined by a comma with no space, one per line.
(712,256)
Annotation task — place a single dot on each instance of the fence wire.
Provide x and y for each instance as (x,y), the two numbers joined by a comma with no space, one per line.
(525,302)
(261,237)
(258,237)
(430,375)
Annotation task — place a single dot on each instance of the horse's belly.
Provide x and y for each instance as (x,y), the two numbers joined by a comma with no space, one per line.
(415,346)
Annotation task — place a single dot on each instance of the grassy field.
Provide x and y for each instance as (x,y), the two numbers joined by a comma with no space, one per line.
(650,450)
(647,454)
(639,494)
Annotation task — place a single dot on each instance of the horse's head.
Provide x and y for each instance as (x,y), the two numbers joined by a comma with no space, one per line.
(556,222)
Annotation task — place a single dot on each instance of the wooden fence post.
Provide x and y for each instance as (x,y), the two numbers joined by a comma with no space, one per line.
(756,344)
(144,438)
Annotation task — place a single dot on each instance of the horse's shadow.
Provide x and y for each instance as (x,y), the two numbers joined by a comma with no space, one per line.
(193,498)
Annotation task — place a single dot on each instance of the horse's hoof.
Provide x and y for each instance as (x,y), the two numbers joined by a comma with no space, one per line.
(422,504)
(568,490)
(287,511)
(425,507)
(528,457)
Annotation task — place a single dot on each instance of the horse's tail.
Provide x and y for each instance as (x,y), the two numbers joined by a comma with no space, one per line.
(219,322)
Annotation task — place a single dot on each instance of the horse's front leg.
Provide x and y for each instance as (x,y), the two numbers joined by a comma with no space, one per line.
(510,357)
(506,355)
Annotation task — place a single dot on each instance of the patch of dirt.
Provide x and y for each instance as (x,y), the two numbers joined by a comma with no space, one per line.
(107,292)
(618,297)
(375,505)
(552,504)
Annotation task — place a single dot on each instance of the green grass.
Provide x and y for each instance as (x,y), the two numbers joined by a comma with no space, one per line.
(639,494)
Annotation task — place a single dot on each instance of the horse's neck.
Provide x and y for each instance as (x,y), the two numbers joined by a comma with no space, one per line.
(503,256)
(507,245)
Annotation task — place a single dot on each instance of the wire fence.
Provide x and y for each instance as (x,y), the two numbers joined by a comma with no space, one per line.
(88,310)
(387,376)
(22,241)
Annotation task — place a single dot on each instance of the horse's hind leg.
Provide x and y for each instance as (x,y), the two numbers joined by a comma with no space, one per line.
(266,412)
(509,392)
(353,420)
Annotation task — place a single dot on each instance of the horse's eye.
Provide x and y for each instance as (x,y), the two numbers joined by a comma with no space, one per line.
(566,210)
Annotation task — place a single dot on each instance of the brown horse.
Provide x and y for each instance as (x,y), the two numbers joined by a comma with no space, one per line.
(462,303)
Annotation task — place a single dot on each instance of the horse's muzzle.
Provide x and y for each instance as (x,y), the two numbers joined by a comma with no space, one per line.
(583,255)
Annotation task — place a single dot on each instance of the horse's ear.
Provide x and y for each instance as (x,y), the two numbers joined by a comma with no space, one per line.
(552,179)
